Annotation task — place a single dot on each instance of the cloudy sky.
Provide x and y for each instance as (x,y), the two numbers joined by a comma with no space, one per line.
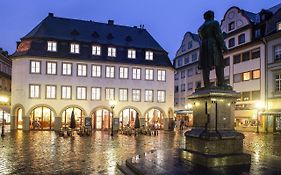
(166,20)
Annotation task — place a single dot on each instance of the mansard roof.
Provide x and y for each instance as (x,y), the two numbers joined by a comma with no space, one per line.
(90,31)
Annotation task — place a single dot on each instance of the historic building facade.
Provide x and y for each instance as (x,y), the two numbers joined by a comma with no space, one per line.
(67,65)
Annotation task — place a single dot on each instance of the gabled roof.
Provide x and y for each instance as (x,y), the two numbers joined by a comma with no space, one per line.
(89,31)
(275,8)
(253,17)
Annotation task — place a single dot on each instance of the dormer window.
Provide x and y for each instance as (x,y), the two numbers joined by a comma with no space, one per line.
(279,26)
(231,26)
(52,46)
(132,53)
(96,50)
(189,45)
(74,48)
(111,52)
(149,55)
(241,38)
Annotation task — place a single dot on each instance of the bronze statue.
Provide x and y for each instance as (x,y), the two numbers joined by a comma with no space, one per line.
(211,49)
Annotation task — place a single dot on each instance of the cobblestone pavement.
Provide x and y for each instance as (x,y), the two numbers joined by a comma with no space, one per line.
(44,152)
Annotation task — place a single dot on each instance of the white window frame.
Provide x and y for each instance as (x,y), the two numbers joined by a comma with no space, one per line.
(161,75)
(96,70)
(51,68)
(277,82)
(132,53)
(74,48)
(35,67)
(51,91)
(81,93)
(136,95)
(278,26)
(34,91)
(109,72)
(161,96)
(149,55)
(66,92)
(67,69)
(123,94)
(149,74)
(136,73)
(52,46)
(123,72)
(96,50)
(96,93)
(82,70)
(109,94)
(111,51)
(148,95)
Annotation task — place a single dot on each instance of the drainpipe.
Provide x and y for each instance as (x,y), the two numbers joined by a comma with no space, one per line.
(266,82)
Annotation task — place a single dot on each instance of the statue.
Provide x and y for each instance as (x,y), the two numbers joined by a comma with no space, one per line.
(211,50)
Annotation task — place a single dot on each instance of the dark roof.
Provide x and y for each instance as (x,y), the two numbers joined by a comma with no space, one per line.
(89,31)
(253,17)
(275,8)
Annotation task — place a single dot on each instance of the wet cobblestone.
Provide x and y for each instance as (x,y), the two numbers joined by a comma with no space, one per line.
(44,152)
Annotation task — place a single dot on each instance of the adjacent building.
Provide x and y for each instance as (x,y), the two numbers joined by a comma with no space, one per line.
(66,66)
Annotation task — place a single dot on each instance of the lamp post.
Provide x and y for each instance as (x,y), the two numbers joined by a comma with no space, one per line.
(259,107)
(3,100)
(112,104)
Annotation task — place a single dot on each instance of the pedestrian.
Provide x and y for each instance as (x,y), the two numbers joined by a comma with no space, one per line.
(181,124)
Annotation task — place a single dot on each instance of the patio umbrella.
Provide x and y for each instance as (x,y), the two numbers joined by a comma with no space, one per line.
(72,121)
(137,121)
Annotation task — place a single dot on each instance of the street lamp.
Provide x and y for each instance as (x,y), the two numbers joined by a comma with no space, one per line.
(3,100)
(112,104)
(259,107)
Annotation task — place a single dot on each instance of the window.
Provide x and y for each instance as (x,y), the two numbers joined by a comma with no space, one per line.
(278,82)
(245,96)
(96,50)
(161,96)
(277,52)
(189,45)
(241,38)
(183,74)
(52,46)
(109,94)
(74,48)
(256,74)
(148,95)
(51,91)
(256,95)
(109,71)
(194,57)
(231,42)
(176,89)
(35,67)
(51,68)
(66,92)
(236,59)
(66,69)
(245,56)
(237,78)
(161,75)
(111,52)
(136,73)
(148,55)
(96,71)
(190,72)
(132,53)
(231,26)
(257,33)
(255,53)
(198,84)
(278,26)
(123,72)
(34,91)
(123,94)
(182,87)
(176,76)
(96,93)
(136,94)
(179,62)
(186,60)
(246,76)
(226,61)
(148,74)
(81,93)
(190,86)
(81,70)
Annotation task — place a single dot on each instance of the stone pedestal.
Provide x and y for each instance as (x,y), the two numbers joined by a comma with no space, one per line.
(213,142)
(58,124)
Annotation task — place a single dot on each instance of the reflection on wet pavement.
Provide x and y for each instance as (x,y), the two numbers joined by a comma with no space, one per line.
(44,152)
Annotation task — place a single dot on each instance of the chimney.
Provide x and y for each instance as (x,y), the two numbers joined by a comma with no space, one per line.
(51,15)
(110,22)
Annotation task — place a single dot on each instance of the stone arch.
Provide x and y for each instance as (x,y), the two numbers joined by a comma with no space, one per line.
(126,107)
(14,114)
(99,107)
(40,105)
(101,117)
(71,106)
(158,108)
(16,107)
